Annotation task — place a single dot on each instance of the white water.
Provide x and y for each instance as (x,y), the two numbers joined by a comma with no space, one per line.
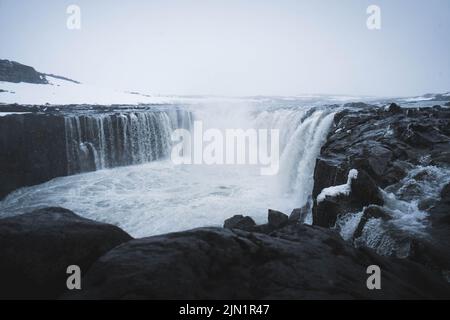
(159,197)
(100,141)
(401,202)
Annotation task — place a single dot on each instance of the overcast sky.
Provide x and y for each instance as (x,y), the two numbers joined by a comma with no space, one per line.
(232,47)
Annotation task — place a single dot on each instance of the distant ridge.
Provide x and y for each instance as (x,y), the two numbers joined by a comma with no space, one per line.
(60,77)
(12,71)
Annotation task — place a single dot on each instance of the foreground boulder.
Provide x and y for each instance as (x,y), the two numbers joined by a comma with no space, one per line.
(294,262)
(277,219)
(36,248)
(239,222)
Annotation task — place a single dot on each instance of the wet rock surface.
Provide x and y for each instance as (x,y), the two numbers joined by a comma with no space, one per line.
(384,144)
(36,248)
(387,145)
(294,262)
(33,150)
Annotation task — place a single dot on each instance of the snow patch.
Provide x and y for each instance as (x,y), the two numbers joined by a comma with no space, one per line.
(63,92)
(343,189)
(4,114)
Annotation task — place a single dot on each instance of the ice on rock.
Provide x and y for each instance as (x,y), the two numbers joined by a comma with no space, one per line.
(343,189)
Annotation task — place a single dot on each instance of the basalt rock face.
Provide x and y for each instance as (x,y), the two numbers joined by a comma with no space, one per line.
(383,143)
(401,151)
(36,248)
(32,150)
(294,262)
(12,71)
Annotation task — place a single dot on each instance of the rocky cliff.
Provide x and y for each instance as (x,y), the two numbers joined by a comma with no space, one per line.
(291,261)
(397,201)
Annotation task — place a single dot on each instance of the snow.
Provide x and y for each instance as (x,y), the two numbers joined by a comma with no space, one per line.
(62,92)
(418,99)
(343,189)
(3,114)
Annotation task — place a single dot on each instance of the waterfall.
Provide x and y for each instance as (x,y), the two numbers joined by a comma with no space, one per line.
(303,131)
(100,141)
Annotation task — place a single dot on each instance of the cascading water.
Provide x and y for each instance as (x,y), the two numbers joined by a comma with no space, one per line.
(152,197)
(100,141)
(302,134)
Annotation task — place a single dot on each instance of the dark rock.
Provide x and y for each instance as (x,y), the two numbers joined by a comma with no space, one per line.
(423,135)
(426,204)
(394,108)
(440,215)
(325,213)
(357,105)
(434,256)
(378,158)
(440,158)
(277,219)
(363,192)
(297,262)
(329,172)
(36,248)
(447,104)
(371,212)
(11,71)
(263,228)
(33,150)
(433,251)
(386,146)
(239,222)
(383,144)
(445,193)
(298,215)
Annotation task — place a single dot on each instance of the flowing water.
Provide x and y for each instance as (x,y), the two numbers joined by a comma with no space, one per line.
(148,194)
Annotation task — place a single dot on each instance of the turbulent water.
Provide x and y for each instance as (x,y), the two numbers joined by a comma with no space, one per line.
(152,195)
(402,203)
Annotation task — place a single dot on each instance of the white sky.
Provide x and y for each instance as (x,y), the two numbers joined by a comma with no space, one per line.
(232,47)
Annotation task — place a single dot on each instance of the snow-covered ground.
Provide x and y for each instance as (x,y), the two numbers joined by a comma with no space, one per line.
(60,92)
(63,92)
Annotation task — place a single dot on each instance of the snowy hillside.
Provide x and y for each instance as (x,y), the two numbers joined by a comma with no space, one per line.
(59,91)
